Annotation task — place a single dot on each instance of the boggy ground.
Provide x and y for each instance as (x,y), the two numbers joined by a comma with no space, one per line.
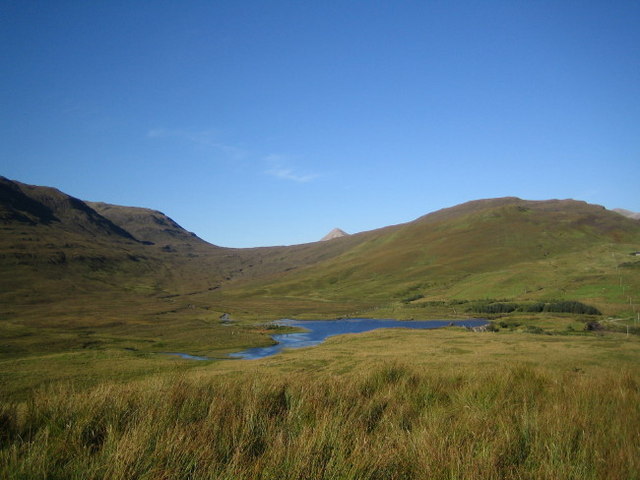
(385,404)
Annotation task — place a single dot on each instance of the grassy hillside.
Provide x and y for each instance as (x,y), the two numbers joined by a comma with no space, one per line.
(64,263)
(77,287)
(55,248)
(503,248)
(145,224)
(63,248)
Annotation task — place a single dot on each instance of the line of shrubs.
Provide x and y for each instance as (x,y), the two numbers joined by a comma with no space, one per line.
(568,306)
(412,298)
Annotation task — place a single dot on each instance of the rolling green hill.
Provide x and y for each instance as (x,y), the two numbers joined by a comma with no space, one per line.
(501,248)
(66,255)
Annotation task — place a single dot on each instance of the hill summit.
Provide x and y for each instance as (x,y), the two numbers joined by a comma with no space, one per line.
(627,213)
(335,233)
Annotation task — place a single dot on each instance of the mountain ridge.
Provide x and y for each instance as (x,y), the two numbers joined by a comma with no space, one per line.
(501,248)
(628,213)
(145,224)
(24,202)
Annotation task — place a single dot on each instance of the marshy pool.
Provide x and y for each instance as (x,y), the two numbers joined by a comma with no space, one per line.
(319,330)
(186,356)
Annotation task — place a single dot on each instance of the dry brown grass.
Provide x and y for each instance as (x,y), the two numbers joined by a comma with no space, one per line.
(393,422)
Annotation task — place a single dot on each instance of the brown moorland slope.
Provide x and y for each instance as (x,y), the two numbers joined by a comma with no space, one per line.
(61,252)
(58,248)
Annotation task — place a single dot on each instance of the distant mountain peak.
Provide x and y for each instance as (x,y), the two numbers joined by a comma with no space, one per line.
(627,213)
(335,233)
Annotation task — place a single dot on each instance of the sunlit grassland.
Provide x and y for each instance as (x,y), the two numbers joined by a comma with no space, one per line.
(452,348)
(605,276)
(123,344)
(386,404)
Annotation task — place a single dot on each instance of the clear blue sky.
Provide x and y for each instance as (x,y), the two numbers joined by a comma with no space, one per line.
(270,122)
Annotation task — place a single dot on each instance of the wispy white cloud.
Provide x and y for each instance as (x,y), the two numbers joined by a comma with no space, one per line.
(288,174)
(203,138)
(278,165)
(279,168)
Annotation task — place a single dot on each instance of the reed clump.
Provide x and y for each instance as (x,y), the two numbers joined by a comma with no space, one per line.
(394,422)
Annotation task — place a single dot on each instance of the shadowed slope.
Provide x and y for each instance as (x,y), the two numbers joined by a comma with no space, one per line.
(57,250)
(145,224)
(45,205)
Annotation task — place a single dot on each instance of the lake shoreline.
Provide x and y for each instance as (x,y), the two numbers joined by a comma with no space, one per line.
(315,332)
(309,337)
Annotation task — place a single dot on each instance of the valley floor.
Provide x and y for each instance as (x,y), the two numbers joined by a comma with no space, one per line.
(384,404)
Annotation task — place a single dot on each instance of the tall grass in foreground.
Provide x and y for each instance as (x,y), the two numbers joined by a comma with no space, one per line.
(392,423)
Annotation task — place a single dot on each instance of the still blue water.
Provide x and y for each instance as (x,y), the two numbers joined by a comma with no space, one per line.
(318,330)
